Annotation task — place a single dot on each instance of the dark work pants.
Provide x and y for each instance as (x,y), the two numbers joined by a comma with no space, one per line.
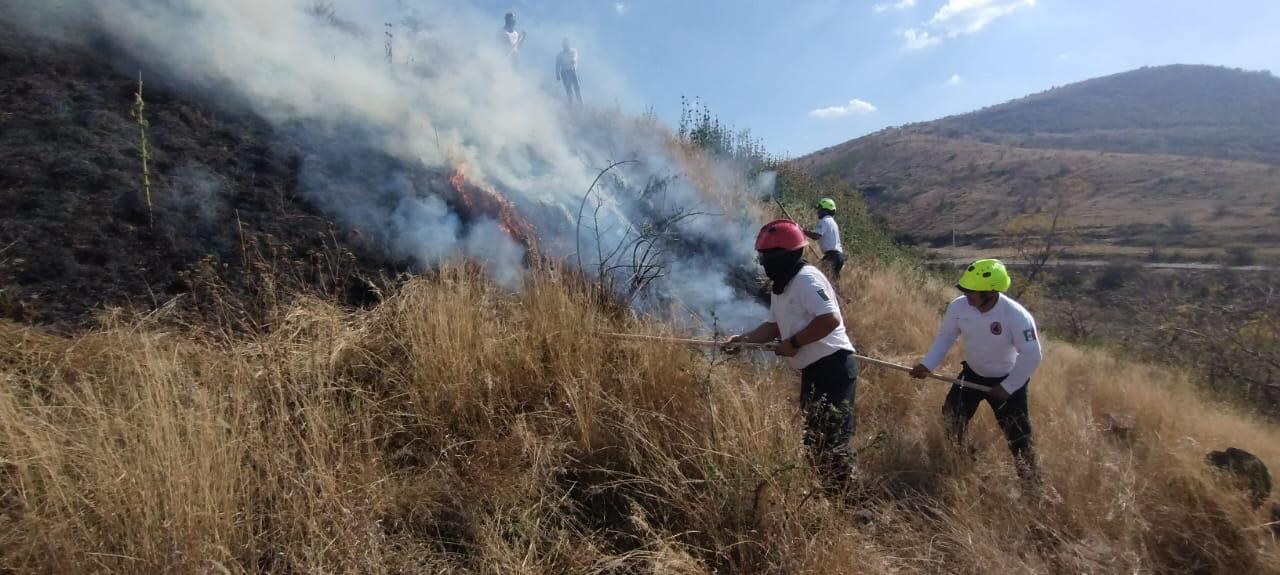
(827,389)
(571,91)
(1012,415)
(836,258)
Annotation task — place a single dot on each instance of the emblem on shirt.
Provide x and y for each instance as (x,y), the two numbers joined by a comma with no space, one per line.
(1029,335)
(996,328)
(823,294)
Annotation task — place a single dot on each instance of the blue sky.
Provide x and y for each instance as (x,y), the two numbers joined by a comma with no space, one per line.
(808,74)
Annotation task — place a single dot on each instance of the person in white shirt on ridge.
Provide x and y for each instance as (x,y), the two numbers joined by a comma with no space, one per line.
(567,73)
(828,235)
(803,313)
(510,38)
(1002,350)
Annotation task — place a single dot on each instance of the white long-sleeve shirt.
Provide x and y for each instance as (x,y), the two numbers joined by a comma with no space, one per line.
(1001,342)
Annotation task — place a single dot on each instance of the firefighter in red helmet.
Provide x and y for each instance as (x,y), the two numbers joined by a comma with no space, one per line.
(804,314)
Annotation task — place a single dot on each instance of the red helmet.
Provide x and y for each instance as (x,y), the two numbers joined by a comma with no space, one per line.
(781,234)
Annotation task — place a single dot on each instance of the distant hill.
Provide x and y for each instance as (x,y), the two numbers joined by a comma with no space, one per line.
(1182,110)
(1182,156)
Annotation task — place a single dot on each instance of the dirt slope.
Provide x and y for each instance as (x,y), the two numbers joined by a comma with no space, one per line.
(916,181)
(1199,111)
(1182,156)
(76,229)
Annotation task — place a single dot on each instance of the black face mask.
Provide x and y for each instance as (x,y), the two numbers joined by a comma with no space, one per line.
(780,267)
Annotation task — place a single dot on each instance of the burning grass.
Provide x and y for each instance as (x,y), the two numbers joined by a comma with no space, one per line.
(486,201)
(454,427)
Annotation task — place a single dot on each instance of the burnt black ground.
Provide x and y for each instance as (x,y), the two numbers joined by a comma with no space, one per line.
(75,227)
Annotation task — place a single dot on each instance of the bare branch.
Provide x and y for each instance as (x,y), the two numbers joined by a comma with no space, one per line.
(583,205)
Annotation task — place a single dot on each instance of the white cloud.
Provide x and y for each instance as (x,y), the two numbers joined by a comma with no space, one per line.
(854,107)
(959,18)
(955,80)
(620,8)
(900,5)
(919,39)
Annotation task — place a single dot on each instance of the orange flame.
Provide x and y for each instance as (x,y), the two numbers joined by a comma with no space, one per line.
(489,202)
(459,182)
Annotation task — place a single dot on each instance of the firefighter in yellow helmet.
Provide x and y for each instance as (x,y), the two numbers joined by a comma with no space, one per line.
(827,233)
(1002,350)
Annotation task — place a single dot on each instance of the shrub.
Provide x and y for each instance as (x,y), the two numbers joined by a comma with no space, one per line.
(1241,255)
(1115,275)
(1180,224)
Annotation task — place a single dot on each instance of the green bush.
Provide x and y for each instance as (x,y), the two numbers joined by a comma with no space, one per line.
(864,236)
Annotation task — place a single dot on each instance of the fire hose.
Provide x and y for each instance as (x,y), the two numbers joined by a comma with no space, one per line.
(770,346)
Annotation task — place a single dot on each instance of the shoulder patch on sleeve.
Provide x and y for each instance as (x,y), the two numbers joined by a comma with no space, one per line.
(822,293)
(1029,335)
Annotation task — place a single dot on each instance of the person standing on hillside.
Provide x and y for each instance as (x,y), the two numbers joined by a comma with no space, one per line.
(510,38)
(567,72)
(827,232)
(1002,350)
(803,313)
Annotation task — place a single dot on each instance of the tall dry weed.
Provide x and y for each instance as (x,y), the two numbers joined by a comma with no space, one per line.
(455,427)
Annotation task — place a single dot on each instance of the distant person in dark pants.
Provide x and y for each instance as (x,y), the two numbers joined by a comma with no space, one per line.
(804,314)
(827,232)
(567,73)
(1002,351)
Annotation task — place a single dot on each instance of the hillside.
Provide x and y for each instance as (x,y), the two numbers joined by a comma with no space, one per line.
(1203,111)
(923,184)
(457,428)
(76,231)
(442,153)
(990,184)
(1178,156)
(249,418)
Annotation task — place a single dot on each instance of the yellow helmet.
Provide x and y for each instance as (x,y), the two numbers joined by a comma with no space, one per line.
(985,275)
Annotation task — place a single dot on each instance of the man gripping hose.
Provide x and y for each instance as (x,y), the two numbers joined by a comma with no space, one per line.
(1002,350)
(828,235)
(803,313)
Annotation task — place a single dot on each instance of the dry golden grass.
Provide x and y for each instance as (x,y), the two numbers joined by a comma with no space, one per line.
(456,428)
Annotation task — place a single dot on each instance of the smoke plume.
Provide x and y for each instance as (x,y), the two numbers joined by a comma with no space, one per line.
(420,132)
